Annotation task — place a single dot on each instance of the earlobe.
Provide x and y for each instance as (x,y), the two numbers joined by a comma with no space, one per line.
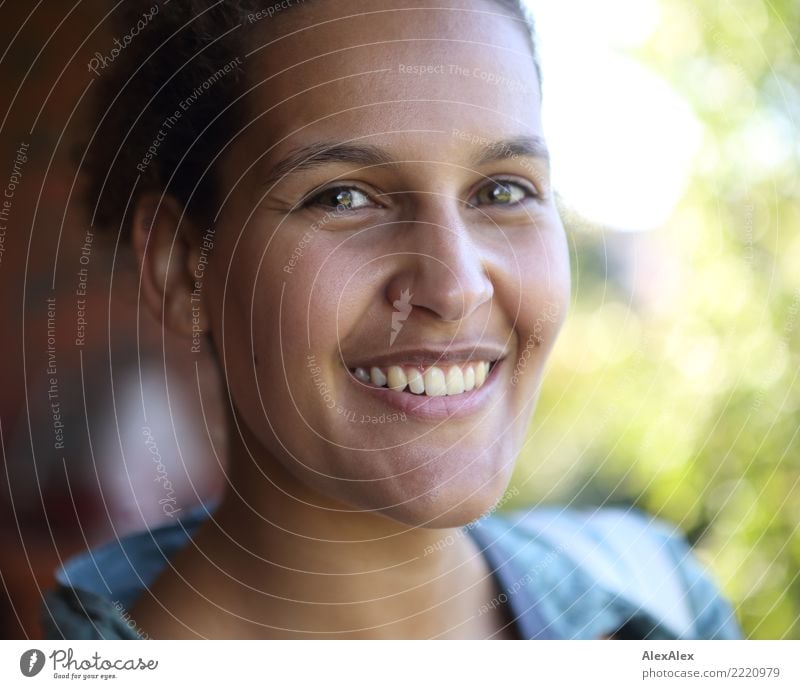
(160,235)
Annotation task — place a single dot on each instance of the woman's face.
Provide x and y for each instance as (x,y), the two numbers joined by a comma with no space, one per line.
(389,213)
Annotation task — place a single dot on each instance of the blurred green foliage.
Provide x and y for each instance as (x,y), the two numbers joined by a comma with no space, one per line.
(674,386)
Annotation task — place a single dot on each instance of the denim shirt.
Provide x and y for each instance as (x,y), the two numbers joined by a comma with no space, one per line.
(562,573)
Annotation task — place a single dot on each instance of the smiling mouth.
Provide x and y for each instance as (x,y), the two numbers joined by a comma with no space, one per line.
(431,381)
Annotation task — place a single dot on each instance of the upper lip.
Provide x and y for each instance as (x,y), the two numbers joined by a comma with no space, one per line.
(426,356)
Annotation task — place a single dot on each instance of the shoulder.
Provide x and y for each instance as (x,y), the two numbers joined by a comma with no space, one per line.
(594,572)
(95,588)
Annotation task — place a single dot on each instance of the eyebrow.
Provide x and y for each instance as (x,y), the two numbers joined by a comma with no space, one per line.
(327,153)
(515,147)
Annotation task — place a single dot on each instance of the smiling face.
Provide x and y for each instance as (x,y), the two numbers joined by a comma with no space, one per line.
(390,272)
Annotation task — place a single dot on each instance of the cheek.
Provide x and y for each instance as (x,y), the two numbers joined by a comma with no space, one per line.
(536,296)
(291,305)
(324,294)
(292,291)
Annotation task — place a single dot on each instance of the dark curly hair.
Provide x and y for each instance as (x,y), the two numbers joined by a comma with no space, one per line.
(144,140)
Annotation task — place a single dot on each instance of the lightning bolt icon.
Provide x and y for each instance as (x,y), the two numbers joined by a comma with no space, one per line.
(403,309)
(32,661)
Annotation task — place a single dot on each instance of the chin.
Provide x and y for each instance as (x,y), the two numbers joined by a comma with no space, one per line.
(453,511)
(429,485)
(441,503)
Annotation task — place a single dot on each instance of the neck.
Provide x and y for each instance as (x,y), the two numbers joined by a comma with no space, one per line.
(315,565)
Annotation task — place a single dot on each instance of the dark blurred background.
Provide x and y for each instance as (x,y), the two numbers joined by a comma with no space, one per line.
(76,470)
(674,386)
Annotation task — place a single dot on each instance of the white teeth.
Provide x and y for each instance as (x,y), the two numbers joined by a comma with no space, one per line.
(378,376)
(455,381)
(469,378)
(397,378)
(416,383)
(435,385)
(480,373)
(434,381)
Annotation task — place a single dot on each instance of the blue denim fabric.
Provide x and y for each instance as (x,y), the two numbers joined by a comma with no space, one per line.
(562,573)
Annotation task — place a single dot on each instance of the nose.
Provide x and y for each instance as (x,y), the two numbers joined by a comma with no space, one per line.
(446,274)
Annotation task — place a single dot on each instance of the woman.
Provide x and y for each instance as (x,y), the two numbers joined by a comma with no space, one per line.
(351,202)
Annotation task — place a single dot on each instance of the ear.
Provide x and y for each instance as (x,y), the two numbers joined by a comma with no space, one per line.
(167,247)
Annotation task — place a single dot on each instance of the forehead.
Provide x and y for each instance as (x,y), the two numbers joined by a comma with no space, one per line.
(353,69)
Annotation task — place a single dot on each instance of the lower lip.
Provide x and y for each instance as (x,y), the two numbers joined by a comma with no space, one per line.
(428,408)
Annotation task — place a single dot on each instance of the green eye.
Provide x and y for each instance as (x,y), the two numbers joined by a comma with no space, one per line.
(502,193)
(341,198)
